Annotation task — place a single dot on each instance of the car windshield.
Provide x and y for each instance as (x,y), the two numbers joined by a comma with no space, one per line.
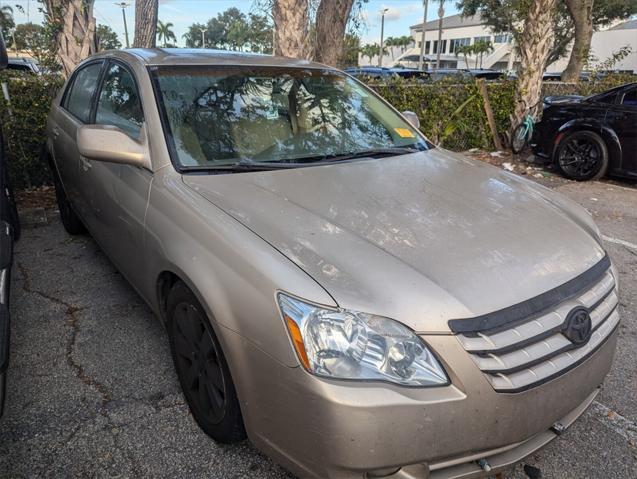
(220,116)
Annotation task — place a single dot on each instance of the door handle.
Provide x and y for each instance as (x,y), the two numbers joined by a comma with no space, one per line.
(56,132)
(86,164)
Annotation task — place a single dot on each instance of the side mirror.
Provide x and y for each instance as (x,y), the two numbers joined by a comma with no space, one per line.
(109,143)
(412,118)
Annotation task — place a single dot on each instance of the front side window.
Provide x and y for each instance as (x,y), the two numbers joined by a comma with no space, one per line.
(78,99)
(119,103)
(630,98)
(225,116)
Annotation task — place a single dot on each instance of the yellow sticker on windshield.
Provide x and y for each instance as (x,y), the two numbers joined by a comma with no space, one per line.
(404,133)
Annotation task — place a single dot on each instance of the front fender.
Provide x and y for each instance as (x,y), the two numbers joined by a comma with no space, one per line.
(234,273)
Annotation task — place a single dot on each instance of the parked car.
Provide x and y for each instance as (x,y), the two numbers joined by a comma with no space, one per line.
(356,301)
(587,138)
(377,73)
(23,65)
(9,231)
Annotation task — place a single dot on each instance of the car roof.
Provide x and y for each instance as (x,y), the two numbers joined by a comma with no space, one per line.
(201,56)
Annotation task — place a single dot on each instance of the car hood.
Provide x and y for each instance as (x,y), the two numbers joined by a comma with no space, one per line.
(422,238)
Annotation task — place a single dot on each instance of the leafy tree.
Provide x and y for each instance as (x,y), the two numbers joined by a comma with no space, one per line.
(193,36)
(107,38)
(531,23)
(232,30)
(351,48)
(503,16)
(164,33)
(6,20)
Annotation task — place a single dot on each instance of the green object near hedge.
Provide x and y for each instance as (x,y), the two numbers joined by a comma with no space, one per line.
(451,114)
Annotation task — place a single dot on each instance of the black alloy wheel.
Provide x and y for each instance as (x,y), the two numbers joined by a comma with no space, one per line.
(202,369)
(582,156)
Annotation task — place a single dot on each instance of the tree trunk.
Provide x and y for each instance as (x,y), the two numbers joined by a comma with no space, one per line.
(441,13)
(534,47)
(75,38)
(581,11)
(145,23)
(291,19)
(331,21)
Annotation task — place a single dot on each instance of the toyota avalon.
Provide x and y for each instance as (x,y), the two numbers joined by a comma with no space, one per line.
(356,301)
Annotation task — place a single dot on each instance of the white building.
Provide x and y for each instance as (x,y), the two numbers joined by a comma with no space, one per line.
(458,30)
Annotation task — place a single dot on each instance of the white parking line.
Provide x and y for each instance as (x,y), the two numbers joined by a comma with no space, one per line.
(622,242)
(616,422)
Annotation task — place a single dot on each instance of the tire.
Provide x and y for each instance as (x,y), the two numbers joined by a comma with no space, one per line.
(518,139)
(202,368)
(582,156)
(71,222)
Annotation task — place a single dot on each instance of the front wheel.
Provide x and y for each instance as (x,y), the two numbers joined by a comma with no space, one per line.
(582,156)
(519,138)
(202,368)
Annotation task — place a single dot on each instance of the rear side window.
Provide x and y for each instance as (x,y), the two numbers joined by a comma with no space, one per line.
(119,103)
(630,98)
(78,98)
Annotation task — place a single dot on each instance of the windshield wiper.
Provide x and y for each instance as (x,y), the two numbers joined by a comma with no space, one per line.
(371,153)
(241,166)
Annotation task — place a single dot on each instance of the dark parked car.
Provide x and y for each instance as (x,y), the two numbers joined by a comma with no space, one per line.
(378,73)
(9,228)
(589,137)
(23,65)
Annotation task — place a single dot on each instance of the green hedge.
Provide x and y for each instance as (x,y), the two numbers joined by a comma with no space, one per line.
(451,114)
(23,123)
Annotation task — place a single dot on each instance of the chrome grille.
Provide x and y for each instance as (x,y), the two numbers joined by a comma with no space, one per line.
(535,350)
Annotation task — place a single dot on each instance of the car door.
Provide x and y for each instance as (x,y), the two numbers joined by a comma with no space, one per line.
(73,112)
(622,119)
(118,193)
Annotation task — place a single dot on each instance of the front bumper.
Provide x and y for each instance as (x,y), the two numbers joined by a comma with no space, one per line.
(346,430)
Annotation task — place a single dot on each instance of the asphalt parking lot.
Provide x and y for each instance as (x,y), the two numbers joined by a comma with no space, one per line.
(92,392)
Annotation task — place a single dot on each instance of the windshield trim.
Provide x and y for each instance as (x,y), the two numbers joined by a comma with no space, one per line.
(169,137)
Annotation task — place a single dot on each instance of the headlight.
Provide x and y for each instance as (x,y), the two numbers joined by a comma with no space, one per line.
(343,344)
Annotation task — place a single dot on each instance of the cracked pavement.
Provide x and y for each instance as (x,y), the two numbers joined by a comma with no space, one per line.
(92,391)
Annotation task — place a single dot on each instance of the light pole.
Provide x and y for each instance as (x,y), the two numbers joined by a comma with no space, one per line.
(203,38)
(422,41)
(123,5)
(382,33)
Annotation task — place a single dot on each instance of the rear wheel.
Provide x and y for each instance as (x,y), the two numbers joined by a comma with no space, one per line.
(582,156)
(202,368)
(518,140)
(71,222)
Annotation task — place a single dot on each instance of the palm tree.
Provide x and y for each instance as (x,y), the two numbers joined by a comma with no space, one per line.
(404,42)
(164,32)
(465,50)
(392,42)
(480,48)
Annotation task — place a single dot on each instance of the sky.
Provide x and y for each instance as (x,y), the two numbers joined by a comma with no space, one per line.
(182,13)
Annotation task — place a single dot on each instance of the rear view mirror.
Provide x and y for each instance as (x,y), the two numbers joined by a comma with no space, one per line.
(412,118)
(109,143)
